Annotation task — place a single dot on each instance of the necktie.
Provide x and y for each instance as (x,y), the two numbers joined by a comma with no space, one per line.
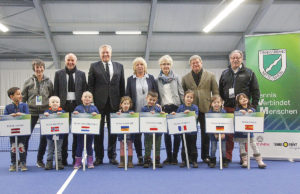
(107,71)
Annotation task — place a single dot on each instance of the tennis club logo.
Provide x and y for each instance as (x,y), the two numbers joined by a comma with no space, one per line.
(85,128)
(124,128)
(272,63)
(54,129)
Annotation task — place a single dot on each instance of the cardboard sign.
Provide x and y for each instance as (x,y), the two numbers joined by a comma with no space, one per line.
(182,123)
(85,123)
(219,122)
(124,123)
(54,124)
(153,123)
(15,126)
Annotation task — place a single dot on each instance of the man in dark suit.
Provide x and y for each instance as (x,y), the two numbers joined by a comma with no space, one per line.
(106,82)
(69,84)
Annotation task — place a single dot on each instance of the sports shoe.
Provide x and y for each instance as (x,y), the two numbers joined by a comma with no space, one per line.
(90,162)
(12,168)
(40,164)
(77,164)
(23,167)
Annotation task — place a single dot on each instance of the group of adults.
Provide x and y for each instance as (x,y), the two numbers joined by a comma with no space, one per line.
(107,83)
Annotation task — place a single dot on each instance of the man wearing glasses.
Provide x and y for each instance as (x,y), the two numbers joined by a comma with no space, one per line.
(234,80)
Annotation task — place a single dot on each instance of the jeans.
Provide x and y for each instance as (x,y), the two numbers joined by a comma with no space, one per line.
(51,149)
(214,145)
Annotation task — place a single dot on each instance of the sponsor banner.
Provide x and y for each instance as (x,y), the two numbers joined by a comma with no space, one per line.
(124,123)
(219,122)
(153,123)
(182,123)
(274,58)
(249,122)
(279,145)
(54,124)
(15,126)
(85,123)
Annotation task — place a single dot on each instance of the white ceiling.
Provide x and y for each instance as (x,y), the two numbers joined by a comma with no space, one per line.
(177,27)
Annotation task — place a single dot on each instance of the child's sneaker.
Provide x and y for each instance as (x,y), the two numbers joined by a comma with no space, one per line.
(23,167)
(90,163)
(12,168)
(49,165)
(77,164)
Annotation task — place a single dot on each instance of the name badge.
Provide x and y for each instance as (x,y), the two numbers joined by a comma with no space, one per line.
(38,100)
(231,93)
(71,96)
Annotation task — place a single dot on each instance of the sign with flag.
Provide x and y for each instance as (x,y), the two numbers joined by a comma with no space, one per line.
(219,122)
(124,123)
(15,126)
(182,123)
(249,122)
(85,123)
(153,123)
(54,124)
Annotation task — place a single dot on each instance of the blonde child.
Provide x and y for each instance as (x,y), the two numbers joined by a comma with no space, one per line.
(54,103)
(85,107)
(125,106)
(216,107)
(152,107)
(243,105)
(17,108)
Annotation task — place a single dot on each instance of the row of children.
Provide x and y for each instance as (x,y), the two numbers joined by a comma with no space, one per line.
(18,108)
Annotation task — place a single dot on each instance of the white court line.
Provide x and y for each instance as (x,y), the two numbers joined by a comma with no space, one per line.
(64,186)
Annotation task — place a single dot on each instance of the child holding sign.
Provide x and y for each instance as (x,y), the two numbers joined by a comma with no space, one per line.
(216,107)
(153,108)
(243,105)
(125,105)
(54,103)
(191,138)
(17,108)
(85,107)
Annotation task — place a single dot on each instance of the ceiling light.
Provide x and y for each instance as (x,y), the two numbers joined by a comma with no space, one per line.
(3,28)
(223,14)
(85,32)
(128,32)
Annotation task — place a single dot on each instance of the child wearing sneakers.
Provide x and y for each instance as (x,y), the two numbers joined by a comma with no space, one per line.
(216,107)
(152,107)
(125,106)
(243,105)
(17,108)
(54,103)
(85,107)
(191,138)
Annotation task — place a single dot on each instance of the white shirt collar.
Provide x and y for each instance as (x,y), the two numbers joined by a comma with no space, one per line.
(146,76)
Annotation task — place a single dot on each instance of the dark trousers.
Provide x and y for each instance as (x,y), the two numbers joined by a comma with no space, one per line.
(112,138)
(191,144)
(80,145)
(21,140)
(138,145)
(43,140)
(168,139)
(229,138)
(205,140)
(69,107)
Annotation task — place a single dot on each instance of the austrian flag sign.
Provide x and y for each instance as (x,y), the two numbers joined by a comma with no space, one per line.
(15,126)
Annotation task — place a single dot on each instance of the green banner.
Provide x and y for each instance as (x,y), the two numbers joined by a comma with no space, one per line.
(275,59)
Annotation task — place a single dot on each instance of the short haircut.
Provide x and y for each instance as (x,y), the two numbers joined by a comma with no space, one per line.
(105,45)
(37,62)
(54,98)
(87,92)
(165,58)
(125,98)
(12,91)
(195,57)
(189,92)
(152,94)
(70,54)
(237,51)
(139,60)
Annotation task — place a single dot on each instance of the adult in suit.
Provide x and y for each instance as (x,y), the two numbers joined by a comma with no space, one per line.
(138,86)
(236,79)
(69,84)
(204,84)
(107,84)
